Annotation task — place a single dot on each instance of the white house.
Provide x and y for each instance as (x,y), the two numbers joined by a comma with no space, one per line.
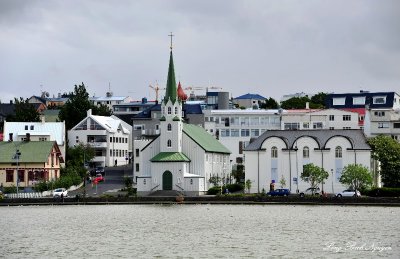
(107,135)
(183,157)
(281,154)
(36,131)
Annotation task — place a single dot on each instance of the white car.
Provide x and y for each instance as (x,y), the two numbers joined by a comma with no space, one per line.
(348,193)
(60,191)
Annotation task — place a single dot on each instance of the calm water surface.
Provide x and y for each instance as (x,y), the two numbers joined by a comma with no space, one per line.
(199,231)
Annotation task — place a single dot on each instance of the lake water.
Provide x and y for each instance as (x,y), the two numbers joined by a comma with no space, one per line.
(199,231)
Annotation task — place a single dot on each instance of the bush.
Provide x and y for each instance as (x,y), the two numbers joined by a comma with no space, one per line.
(214,190)
(66,181)
(383,192)
(10,189)
(236,187)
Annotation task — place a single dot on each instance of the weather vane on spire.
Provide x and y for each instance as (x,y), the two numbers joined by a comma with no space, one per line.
(171,35)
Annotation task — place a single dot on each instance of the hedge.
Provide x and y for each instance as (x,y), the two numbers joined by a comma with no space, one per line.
(383,192)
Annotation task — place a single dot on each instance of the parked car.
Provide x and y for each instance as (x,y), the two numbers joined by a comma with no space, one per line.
(98,178)
(60,191)
(310,191)
(348,193)
(279,192)
(100,170)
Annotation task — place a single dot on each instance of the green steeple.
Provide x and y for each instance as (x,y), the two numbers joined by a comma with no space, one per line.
(171,83)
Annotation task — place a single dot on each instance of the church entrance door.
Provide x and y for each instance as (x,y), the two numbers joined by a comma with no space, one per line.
(167,180)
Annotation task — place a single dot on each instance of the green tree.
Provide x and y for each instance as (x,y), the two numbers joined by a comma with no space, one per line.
(75,109)
(24,111)
(282,182)
(101,110)
(319,100)
(270,103)
(314,175)
(248,185)
(239,174)
(78,156)
(356,176)
(387,151)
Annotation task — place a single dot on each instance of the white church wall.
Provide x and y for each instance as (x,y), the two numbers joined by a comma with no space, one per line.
(146,155)
(196,155)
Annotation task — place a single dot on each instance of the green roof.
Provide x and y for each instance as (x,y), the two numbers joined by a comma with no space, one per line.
(170,157)
(171,83)
(31,152)
(204,139)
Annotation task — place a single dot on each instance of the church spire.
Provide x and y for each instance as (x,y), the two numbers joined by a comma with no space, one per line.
(171,83)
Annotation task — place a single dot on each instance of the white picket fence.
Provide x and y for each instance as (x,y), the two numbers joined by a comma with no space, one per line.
(24,195)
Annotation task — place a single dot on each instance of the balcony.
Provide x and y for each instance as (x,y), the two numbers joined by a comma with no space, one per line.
(98,144)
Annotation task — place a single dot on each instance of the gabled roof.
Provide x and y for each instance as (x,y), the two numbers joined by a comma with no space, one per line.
(31,152)
(204,139)
(250,96)
(170,157)
(54,129)
(109,123)
(356,138)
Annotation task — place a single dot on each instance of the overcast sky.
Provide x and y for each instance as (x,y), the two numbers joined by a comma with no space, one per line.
(267,47)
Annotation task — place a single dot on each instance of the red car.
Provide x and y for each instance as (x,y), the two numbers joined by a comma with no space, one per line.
(98,178)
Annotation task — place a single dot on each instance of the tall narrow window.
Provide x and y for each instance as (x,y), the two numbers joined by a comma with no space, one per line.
(176,110)
(306,152)
(274,152)
(169,110)
(169,127)
(338,152)
(169,143)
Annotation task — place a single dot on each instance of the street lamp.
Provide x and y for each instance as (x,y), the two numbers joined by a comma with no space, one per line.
(16,156)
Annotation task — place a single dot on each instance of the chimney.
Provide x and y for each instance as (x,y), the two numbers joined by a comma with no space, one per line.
(10,138)
(28,137)
(43,119)
(89,112)
(307,105)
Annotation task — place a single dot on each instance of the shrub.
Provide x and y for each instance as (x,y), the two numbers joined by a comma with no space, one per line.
(235,187)
(383,192)
(214,190)
(10,189)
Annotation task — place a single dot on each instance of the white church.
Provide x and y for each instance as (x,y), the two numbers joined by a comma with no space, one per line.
(184,156)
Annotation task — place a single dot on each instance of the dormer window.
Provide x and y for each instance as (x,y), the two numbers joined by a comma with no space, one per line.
(339,101)
(359,100)
(379,99)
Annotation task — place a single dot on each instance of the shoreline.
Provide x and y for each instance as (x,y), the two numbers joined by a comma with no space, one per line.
(213,200)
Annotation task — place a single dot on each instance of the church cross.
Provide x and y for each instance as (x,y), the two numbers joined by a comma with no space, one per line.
(171,35)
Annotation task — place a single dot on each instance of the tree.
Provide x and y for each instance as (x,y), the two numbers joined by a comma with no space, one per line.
(314,175)
(248,185)
(239,174)
(270,103)
(101,110)
(387,151)
(282,182)
(24,112)
(78,156)
(356,176)
(319,100)
(75,109)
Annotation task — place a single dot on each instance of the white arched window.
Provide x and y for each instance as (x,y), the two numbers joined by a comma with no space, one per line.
(338,152)
(306,152)
(169,127)
(274,152)
(169,110)
(169,143)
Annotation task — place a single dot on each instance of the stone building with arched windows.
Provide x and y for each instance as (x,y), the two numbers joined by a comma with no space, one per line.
(278,154)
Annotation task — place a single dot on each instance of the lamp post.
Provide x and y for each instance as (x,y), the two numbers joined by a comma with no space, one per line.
(16,156)
(332,182)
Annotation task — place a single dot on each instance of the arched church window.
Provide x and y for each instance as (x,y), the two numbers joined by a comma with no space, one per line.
(176,110)
(274,152)
(169,127)
(338,152)
(306,152)
(169,143)
(169,110)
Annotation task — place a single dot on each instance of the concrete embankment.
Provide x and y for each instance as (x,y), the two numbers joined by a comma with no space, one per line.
(261,200)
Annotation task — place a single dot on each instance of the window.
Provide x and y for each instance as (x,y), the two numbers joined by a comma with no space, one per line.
(26,127)
(110,139)
(169,143)
(137,167)
(338,152)
(383,125)
(234,133)
(227,122)
(245,132)
(138,127)
(331,117)
(191,181)
(9,176)
(306,125)
(395,137)
(361,118)
(169,127)
(346,128)
(339,101)
(274,152)
(137,152)
(379,100)
(144,181)
(379,114)
(169,110)
(306,152)
(396,125)
(292,126)
(21,175)
(255,133)
(346,117)
(176,110)
(42,139)
(359,100)
(32,127)
(225,133)
(317,125)
(331,128)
